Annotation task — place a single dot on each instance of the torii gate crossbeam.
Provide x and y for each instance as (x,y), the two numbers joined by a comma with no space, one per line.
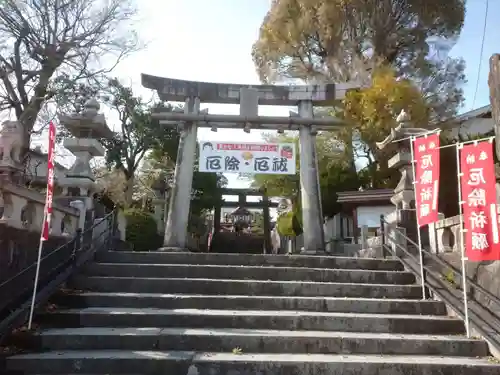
(249,97)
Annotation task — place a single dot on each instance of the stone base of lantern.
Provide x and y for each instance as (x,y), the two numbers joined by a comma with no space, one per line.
(78,185)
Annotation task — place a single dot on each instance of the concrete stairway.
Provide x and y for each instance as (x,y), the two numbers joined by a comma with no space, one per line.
(224,314)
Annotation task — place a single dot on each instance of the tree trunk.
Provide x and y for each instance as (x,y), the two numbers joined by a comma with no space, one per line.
(32,108)
(494,85)
(129,190)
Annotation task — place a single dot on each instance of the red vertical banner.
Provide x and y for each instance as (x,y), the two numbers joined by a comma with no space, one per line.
(479,202)
(50,183)
(426,155)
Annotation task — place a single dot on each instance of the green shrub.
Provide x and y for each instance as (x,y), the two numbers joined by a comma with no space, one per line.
(141,230)
(289,224)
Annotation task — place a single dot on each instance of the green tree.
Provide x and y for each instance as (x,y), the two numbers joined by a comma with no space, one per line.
(258,224)
(335,174)
(380,43)
(138,133)
(342,40)
(112,183)
(204,192)
(371,113)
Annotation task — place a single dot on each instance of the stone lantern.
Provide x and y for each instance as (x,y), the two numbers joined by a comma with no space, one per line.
(160,202)
(404,193)
(86,128)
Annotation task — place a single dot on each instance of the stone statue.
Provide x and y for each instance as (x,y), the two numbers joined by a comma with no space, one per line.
(284,205)
(401,131)
(11,141)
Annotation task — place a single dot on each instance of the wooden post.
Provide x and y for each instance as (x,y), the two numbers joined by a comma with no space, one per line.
(494,85)
(267,223)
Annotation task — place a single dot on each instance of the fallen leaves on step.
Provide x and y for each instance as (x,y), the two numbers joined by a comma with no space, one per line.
(237,350)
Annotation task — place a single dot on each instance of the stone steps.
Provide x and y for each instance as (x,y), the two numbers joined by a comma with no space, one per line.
(227,314)
(202,363)
(248,319)
(243,287)
(155,257)
(238,302)
(250,273)
(257,341)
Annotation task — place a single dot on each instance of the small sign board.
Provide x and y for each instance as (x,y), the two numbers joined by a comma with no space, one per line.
(251,158)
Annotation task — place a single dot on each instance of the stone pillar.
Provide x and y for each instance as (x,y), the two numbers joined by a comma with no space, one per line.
(494,86)
(121,225)
(160,196)
(267,224)
(80,206)
(158,206)
(217,217)
(314,237)
(433,235)
(364,237)
(176,229)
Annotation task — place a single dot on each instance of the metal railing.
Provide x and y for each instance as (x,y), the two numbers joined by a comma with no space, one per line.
(56,267)
(482,318)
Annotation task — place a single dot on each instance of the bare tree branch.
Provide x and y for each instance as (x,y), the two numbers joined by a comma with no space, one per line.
(49,47)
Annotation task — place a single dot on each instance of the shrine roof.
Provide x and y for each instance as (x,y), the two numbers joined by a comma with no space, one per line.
(177,90)
(370,197)
(241,211)
(482,112)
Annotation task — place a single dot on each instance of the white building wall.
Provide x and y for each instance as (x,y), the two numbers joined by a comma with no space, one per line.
(370,216)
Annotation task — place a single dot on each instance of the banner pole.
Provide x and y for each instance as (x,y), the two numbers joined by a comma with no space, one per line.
(419,238)
(462,247)
(44,235)
(37,275)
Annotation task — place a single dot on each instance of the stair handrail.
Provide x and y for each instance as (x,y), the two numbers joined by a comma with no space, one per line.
(481,318)
(55,268)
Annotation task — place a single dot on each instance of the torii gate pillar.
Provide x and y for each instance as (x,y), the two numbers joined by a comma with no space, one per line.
(176,228)
(312,215)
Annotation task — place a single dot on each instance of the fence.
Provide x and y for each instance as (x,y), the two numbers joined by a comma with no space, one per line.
(55,268)
(436,279)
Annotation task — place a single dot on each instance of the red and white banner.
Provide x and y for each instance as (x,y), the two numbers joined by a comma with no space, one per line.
(50,183)
(261,158)
(479,202)
(426,155)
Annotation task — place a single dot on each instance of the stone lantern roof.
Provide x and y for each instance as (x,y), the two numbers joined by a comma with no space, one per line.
(89,123)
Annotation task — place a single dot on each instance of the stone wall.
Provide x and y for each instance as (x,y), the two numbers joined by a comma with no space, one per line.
(21,218)
(19,249)
(23,208)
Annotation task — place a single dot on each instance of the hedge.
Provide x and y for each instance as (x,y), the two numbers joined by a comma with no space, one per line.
(141,232)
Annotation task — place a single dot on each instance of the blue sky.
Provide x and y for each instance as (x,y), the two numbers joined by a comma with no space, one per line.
(211,41)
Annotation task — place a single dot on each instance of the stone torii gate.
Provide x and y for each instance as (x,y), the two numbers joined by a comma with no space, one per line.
(249,97)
